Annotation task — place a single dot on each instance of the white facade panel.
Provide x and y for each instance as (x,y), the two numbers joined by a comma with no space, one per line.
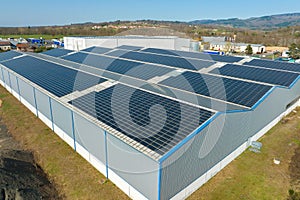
(125,187)
(45,119)
(28,105)
(173,43)
(98,164)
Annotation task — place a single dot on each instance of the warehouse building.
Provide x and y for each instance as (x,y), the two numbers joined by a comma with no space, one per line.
(165,42)
(158,123)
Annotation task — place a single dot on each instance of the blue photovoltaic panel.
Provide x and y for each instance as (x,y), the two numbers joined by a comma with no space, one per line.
(97,50)
(154,121)
(198,55)
(57,52)
(122,67)
(117,53)
(235,91)
(178,62)
(131,48)
(54,78)
(8,55)
(227,59)
(275,65)
(257,74)
(78,57)
(160,51)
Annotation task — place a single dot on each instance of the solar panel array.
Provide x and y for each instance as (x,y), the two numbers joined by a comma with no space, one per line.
(160,51)
(122,67)
(154,121)
(227,59)
(235,91)
(117,53)
(147,71)
(56,79)
(97,50)
(131,48)
(275,65)
(178,62)
(198,55)
(57,52)
(257,74)
(9,55)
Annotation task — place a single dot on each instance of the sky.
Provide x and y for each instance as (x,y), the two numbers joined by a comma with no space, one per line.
(63,12)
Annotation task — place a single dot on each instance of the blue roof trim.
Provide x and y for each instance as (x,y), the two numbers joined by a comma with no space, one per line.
(159,181)
(189,137)
(256,104)
(263,98)
(106,153)
(272,89)
(294,82)
(236,111)
(204,125)
(73,130)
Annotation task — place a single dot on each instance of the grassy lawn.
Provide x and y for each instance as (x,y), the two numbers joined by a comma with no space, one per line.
(75,178)
(47,37)
(250,176)
(255,176)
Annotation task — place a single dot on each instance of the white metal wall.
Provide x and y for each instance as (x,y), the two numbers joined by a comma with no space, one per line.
(133,172)
(200,159)
(79,43)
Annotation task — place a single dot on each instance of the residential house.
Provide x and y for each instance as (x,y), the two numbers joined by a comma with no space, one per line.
(237,47)
(4,45)
(22,46)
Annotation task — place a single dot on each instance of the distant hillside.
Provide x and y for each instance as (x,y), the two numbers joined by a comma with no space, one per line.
(265,22)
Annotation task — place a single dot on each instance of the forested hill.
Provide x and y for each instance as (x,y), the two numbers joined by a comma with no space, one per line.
(265,22)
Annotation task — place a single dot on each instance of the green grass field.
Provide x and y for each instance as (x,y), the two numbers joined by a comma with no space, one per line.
(47,37)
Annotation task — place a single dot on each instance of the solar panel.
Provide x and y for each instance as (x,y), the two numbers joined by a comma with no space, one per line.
(227,59)
(160,51)
(198,55)
(123,67)
(235,91)
(275,65)
(54,78)
(97,50)
(131,48)
(154,121)
(117,53)
(183,63)
(257,74)
(8,55)
(57,52)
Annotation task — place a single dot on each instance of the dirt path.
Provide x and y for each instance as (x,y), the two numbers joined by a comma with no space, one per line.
(20,177)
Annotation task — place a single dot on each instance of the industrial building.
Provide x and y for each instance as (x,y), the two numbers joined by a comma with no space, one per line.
(157,123)
(165,42)
(237,47)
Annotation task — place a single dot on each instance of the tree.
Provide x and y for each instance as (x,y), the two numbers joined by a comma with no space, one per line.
(249,50)
(293,195)
(228,47)
(294,50)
